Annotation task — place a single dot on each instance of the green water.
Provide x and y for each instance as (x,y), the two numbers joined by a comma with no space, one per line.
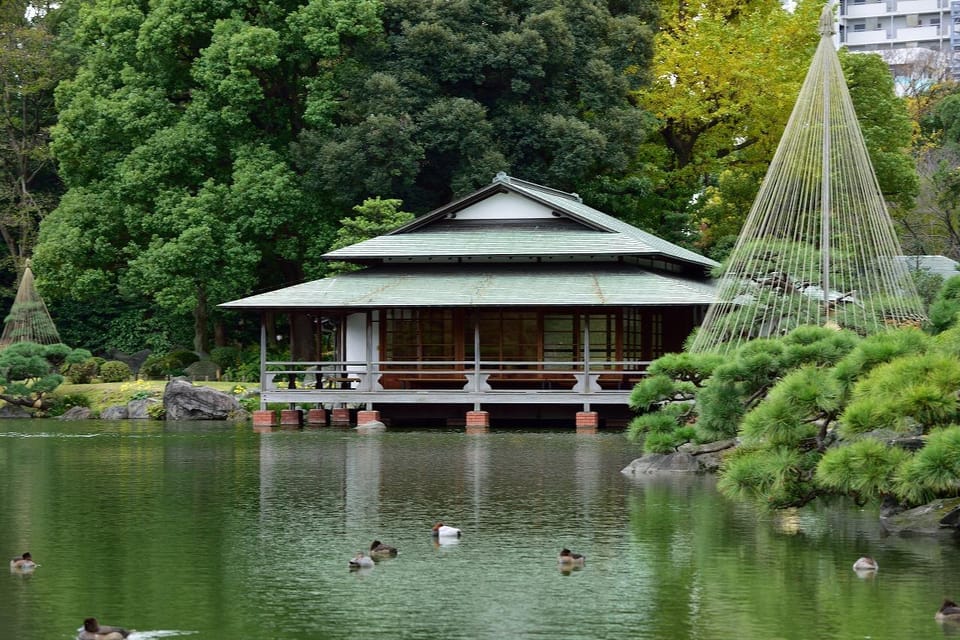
(213,532)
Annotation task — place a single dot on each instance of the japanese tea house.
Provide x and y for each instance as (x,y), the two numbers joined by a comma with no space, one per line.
(517,300)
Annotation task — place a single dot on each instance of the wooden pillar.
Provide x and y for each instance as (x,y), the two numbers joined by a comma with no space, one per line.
(587,421)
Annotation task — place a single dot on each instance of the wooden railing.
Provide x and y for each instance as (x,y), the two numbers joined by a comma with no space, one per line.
(478,377)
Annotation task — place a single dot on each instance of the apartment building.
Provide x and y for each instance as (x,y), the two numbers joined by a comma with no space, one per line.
(907,33)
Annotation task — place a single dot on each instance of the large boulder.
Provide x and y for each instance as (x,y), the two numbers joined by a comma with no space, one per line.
(183,401)
(76,413)
(937,518)
(116,412)
(139,409)
(14,411)
(704,458)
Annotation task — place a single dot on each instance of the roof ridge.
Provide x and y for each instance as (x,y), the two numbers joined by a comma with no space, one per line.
(503,178)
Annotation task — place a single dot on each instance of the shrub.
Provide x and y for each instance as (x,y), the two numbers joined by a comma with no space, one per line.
(153,367)
(115,371)
(176,362)
(82,372)
(226,356)
(157,411)
(59,405)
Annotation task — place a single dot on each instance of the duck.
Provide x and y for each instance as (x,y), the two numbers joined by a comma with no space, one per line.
(570,558)
(361,561)
(866,563)
(380,550)
(23,563)
(93,630)
(441,530)
(948,611)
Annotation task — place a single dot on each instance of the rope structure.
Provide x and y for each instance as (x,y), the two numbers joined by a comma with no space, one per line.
(29,320)
(818,246)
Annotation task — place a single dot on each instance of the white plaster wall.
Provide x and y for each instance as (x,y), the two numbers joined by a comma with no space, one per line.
(356,341)
(505,206)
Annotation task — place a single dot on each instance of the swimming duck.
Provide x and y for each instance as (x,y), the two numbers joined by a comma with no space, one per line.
(441,530)
(361,561)
(949,610)
(23,563)
(93,630)
(380,550)
(569,558)
(866,563)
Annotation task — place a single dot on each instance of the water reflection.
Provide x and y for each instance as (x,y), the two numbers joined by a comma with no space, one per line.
(236,534)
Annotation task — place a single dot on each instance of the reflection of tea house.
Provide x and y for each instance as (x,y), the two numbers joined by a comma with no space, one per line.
(517,302)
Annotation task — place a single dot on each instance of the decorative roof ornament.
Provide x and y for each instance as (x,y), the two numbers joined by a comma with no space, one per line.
(818,246)
(28,320)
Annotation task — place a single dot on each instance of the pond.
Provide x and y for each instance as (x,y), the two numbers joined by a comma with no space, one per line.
(214,532)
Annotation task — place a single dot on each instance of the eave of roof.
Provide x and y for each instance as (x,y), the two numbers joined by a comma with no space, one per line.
(556,285)
(602,234)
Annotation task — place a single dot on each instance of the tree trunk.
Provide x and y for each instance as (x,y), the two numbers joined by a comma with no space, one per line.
(200,318)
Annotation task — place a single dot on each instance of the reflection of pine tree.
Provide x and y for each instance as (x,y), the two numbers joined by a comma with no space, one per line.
(28,320)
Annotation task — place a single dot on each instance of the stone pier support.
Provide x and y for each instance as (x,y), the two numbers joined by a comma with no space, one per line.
(367,416)
(478,421)
(264,420)
(317,418)
(340,417)
(291,418)
(587,422)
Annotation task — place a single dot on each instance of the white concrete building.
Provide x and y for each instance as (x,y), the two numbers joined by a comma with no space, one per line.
(904,32)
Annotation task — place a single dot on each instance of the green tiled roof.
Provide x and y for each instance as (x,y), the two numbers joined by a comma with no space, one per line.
(597,235)
(491,285)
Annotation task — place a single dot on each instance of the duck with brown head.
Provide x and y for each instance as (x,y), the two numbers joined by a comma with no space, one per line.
(93,630)
(23,563)
(949,611)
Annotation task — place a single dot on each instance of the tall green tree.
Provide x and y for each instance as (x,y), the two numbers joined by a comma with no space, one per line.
(31,65)
(174,142)
(461,90)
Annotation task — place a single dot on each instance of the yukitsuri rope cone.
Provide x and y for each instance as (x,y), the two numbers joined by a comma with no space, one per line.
(818,246)
(28,320)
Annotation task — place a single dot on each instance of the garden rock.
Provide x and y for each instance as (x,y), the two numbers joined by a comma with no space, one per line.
(139,409)
(183,401)
(704,458)
(117,412)
(936,518)
(14,411)
(76,413)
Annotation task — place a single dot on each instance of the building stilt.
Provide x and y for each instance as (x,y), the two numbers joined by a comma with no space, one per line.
(317,418)
(587,422)
(340,417)
(478,421)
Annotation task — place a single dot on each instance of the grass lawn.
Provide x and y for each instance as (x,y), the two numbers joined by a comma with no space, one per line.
(107,394)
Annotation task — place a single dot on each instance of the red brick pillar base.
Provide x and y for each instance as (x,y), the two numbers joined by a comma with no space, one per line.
(478,421)
(340,417)
(367,416)
(264,420)
(317,418)
(291,418)
(587,421)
